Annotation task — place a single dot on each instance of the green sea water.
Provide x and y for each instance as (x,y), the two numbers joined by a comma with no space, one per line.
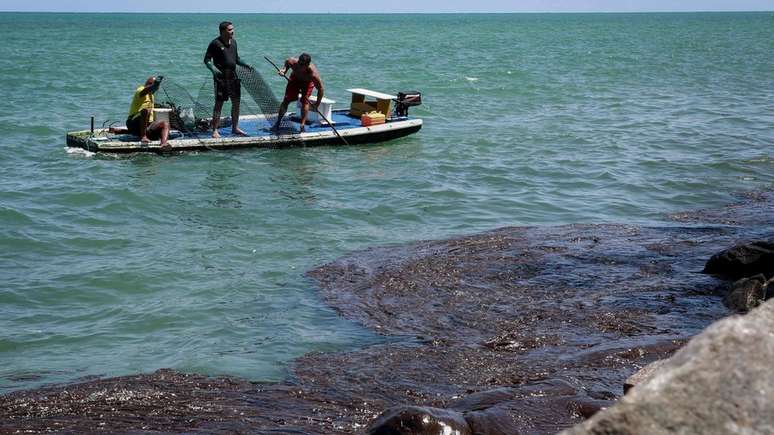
(117,265)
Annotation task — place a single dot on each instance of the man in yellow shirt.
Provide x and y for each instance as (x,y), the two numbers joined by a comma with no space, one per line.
(140,121)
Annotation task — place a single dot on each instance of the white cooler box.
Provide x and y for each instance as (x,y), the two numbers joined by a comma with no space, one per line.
(326,108)
(162,114)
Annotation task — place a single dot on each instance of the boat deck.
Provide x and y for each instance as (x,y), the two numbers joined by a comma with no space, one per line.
(259,135)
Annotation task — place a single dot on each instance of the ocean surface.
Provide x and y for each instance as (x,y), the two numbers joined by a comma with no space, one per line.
(113,265)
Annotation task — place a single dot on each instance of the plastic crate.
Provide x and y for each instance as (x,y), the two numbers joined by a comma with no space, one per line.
(372,118)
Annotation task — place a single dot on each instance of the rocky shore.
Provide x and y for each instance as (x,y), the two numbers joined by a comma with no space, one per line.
(517,330)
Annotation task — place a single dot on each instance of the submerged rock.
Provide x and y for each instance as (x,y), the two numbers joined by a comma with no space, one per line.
(516,330)
(744,260)
(720,382)
(747,293)
(416,420)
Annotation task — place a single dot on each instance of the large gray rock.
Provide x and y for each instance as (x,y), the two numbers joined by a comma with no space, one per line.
(643,374)
(743,260)
(721,382)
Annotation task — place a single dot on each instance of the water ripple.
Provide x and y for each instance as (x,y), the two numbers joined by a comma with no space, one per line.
(119,264)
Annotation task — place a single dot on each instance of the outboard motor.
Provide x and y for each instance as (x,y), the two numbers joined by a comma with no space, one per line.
(405,100)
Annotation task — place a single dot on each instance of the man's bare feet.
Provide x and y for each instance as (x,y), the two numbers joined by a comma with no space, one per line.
(215,134)
(145,140)
(238,132)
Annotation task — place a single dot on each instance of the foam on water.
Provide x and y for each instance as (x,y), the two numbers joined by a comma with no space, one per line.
(79,152)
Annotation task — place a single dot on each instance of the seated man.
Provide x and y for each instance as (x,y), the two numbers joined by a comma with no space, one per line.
(304,78)
(140,121)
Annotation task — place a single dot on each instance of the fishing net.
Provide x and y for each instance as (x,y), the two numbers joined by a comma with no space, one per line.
(262,95)
(258,107)
(188,115)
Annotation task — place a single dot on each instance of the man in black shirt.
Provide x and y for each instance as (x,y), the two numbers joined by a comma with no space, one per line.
(222,58)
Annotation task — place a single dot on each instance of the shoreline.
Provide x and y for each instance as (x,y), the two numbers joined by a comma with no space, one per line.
(525,328)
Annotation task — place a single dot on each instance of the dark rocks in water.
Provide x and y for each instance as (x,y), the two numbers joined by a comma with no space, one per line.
(517,330)
(743,261)
(490,412)
(165,400)
(747,293)
(416,420)
(491,421)
(752,266)
(720,382)
(489,398)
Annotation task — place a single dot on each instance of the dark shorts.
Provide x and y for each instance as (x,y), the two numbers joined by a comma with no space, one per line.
(228,86)
(296,87)
(134,125)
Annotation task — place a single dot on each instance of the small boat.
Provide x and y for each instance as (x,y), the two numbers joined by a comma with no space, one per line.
(364,122)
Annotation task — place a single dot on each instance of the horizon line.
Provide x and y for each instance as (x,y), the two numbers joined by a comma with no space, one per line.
(395,13)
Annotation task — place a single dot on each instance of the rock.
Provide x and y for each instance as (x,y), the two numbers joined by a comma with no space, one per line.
(483,399)
(483,411)
(416,420)
(643,374)
(492,421)
(720,382)
(743,260)
(586,408)
(746,293)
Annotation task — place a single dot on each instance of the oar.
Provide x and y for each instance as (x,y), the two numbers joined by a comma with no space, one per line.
(315,109)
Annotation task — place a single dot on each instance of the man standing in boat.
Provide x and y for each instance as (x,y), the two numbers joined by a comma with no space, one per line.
(304,78)
(221,59)
(140,120)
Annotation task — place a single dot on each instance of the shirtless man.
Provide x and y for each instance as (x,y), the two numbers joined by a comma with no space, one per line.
(304,78)
(221,59)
